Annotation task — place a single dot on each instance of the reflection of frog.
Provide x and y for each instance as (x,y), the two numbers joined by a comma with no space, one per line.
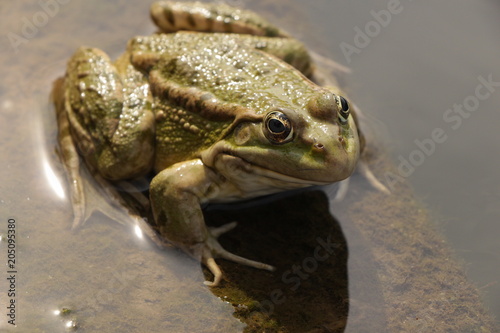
(217,116)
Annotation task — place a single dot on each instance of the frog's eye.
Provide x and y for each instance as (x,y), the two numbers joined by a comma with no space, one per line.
(277,127)
(343,109)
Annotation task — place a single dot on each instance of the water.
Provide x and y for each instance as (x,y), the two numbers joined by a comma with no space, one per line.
(425,62)
(407,72)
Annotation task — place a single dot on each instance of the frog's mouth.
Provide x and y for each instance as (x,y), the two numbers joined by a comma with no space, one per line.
(250,180)
(244,170)
(268,173)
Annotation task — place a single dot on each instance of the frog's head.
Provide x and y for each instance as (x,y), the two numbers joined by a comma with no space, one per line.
(314,144)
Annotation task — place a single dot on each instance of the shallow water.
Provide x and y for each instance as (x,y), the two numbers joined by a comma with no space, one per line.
(412,68)
(414,76)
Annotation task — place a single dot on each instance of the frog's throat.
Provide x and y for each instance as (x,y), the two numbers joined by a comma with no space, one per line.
(222,152)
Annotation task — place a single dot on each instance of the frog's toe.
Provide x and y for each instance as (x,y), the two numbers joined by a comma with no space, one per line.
(216,232)
(343,187)
(214,268)
(221,253)
(374,182)
(217,250)
(214,249)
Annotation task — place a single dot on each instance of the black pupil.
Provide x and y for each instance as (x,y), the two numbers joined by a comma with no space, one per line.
(345,105)
(276,126)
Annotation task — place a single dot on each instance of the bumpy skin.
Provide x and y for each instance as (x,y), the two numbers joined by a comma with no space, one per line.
(217,116)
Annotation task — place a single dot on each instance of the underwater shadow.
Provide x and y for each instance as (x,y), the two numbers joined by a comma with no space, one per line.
(308,292)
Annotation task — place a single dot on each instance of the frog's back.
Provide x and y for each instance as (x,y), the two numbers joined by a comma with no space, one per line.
(202,83)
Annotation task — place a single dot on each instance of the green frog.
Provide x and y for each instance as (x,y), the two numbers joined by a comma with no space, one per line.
(218,105)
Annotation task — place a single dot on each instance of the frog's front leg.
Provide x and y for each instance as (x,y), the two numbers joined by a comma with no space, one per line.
(177,194)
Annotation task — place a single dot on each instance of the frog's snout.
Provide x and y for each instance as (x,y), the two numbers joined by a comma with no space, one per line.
(329,146)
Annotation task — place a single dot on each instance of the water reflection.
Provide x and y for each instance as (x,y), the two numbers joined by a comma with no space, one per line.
(53,180)
(138,232)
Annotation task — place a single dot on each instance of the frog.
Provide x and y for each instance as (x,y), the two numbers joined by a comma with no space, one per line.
(218,105)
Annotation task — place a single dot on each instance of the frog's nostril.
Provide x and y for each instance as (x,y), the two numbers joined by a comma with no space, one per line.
(319,147)
(343,142)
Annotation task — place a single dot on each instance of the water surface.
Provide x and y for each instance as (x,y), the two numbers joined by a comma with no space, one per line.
(411,68)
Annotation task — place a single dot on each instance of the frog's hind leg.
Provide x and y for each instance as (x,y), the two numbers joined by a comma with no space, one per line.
(172,16)
(85,198)
(113,134)
(108,106)
(253,30)
(69,155)
(82,189)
